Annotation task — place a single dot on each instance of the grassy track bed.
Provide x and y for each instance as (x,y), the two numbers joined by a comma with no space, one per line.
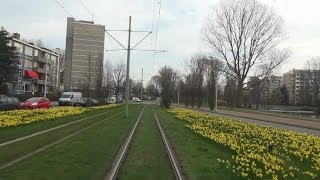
(13,132)
(85,156)
(197,154)
(21,148)
(146,157)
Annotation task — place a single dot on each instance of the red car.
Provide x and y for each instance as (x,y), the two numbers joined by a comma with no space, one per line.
(36,103)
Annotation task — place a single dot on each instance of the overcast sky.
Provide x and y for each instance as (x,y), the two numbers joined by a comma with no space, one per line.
(179,27)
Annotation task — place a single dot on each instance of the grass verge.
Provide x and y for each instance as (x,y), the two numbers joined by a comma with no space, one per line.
(147,158)
(13,132)
(18,149)
(84,156)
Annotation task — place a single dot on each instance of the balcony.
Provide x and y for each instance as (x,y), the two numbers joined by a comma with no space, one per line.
(40,70)
(40,59)
(40,81)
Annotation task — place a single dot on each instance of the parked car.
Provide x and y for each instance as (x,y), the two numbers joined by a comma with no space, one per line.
(36,103)
(111,100)
(95,102)
(135,99)
(80,102)
(84,102)
(9,103)
(119,100)
(69,98)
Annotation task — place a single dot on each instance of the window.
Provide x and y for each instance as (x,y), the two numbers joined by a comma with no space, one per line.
(18,47)
(28,51)
(28,64)
(36,52)
(26,87)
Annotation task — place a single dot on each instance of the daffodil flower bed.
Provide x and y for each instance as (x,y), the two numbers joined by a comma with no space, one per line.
(258,151)
(17,117)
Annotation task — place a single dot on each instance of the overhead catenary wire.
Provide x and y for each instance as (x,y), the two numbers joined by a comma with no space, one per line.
(86,8)
(102,45)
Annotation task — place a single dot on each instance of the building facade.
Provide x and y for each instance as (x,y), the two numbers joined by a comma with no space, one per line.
(84,54)
(264,88)
(38,69)
(303,86)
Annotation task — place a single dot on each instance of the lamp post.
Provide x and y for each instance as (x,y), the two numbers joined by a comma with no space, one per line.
(45,79)
(250,89)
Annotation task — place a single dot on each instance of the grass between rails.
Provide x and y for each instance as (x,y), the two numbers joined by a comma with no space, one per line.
(197,155)
(13,132)
(85,156)
(147,158)
(18,149)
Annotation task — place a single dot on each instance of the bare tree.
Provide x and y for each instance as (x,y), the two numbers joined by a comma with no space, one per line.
(119,74)
(107,79)
(99,78)
(166,80)
(152,90)
(213,67)
(243,33)
(313,80)
(195,69)
(230,91)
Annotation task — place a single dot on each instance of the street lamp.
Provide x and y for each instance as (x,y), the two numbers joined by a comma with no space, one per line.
(250,89)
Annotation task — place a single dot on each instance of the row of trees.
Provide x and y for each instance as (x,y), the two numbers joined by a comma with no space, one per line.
(104,80)
(244,35)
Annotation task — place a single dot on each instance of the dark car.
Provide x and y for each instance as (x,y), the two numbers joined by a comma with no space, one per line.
(36,103)
(84,102)
(9,103)
(94,102)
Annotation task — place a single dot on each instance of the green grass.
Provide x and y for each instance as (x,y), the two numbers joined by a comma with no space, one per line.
(147,158)
(14,150)
(88,155)
(196,154)
(13,132)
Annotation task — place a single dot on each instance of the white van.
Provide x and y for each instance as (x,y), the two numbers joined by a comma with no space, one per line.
(68,98)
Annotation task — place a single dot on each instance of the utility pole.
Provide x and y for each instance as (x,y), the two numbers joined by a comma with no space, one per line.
(216,99)
(216,88)
(141,84)
(128,49)
(178,92)
(128,64)
(89,79)
(46,79)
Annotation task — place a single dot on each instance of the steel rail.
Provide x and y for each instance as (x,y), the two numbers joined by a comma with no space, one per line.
(122,152)
(173,159)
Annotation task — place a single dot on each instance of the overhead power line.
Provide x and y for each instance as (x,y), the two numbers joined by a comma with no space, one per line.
(85,7)
(100,44)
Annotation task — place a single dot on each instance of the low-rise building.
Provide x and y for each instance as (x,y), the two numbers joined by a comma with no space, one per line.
(38,69)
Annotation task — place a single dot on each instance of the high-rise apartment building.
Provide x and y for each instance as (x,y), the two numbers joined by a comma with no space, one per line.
(302,85)
(84,54)
(39,68)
